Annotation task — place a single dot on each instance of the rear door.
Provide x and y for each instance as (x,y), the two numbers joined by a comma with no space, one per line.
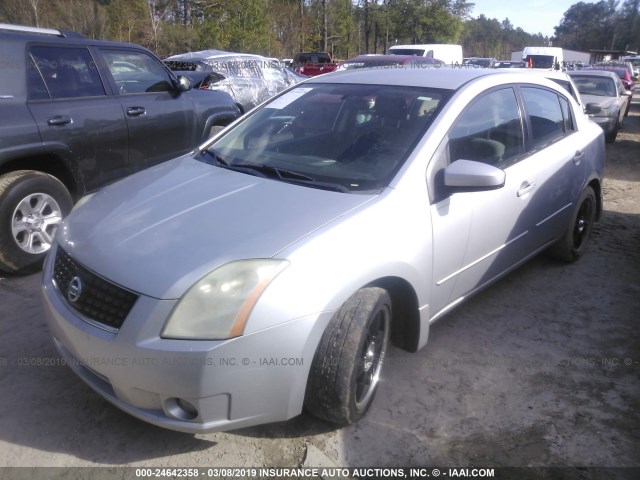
(555,151)
(161,120)
(75,117)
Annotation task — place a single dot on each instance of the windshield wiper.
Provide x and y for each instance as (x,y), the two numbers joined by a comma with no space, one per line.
(292,176)
(221,162)
(267,171)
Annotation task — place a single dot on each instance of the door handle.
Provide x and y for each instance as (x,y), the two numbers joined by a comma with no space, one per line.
(59,120)
(577,158)
(136,111)
(525,188)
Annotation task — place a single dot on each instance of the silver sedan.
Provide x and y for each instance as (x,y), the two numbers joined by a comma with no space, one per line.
(606,100)
(271,268)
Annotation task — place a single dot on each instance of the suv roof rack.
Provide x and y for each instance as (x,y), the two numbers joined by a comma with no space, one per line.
(42,31)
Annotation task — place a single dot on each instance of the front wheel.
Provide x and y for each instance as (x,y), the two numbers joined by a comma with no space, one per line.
(575,240)
(32,204)
(611,137)
(346,368)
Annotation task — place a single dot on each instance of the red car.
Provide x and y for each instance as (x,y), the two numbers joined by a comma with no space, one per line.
(312,64)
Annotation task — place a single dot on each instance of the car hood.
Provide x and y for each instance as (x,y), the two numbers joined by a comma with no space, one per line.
(159,231)
(603,102)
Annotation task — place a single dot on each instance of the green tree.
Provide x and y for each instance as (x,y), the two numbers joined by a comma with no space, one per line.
(586,26)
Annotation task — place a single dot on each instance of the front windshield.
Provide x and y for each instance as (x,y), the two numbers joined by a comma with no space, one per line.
(342,137)
(540,61)
(416,52)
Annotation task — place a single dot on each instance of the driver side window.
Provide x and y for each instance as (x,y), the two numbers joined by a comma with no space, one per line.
(489,131)
(136,72)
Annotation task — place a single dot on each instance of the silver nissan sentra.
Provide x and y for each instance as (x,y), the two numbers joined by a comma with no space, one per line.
(270,269)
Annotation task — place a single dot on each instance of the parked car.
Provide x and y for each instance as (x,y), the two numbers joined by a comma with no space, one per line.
(390,61)
(605,97)
(508,64)
(313,64)
(634,60)
(249,79)
(479,62)
(627,80)
(347,212)
(626,64)
(79,114)
(448,53)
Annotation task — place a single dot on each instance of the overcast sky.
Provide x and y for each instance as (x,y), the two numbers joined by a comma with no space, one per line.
(535,16)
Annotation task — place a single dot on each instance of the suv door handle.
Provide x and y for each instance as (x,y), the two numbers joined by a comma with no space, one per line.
(578,157)
(136,111)
(59,120)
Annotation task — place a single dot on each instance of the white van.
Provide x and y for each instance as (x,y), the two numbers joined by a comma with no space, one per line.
(449,54)
(547,58)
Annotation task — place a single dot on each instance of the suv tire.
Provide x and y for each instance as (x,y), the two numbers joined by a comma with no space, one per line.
(32,204)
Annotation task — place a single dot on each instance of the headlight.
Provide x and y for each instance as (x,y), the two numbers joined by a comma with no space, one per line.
(217,306)
(603,113)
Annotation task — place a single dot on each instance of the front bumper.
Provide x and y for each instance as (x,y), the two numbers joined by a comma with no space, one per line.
(608,124)
(186,385)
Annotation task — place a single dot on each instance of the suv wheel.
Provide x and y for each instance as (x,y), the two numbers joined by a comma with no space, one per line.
(32,204)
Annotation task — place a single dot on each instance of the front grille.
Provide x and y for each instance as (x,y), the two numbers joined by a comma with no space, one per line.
(98,299)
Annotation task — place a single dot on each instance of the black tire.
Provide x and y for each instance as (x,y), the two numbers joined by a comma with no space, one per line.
(346,367)
(574,242)
(31,206)
(611,137)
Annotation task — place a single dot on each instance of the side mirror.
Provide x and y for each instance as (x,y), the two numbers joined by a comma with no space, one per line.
(592,108)
(184,83)
(468,174)
(628,93)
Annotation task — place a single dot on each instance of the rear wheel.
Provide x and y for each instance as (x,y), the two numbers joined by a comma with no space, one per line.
(574,242)
(32,204)
(346,367)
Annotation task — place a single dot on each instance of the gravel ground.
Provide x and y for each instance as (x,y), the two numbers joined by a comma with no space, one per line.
(541,369)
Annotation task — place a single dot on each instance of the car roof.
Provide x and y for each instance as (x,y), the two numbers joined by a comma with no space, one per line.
(593,72)
(20,33)
(443,77)
(618,70)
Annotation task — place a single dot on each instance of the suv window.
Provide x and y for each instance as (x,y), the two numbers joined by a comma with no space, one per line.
(67,73)
(137,72)
(489,131)
(545,115)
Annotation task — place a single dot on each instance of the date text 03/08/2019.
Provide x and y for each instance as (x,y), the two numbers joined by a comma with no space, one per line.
(314,472)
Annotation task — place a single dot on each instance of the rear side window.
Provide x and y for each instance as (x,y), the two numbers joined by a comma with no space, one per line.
(545,115)
(65,72)
(566,114)
(137,72)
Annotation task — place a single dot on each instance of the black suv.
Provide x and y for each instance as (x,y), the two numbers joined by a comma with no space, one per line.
(77,114)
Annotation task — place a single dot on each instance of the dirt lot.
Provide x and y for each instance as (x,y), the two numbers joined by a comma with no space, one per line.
(542,369)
